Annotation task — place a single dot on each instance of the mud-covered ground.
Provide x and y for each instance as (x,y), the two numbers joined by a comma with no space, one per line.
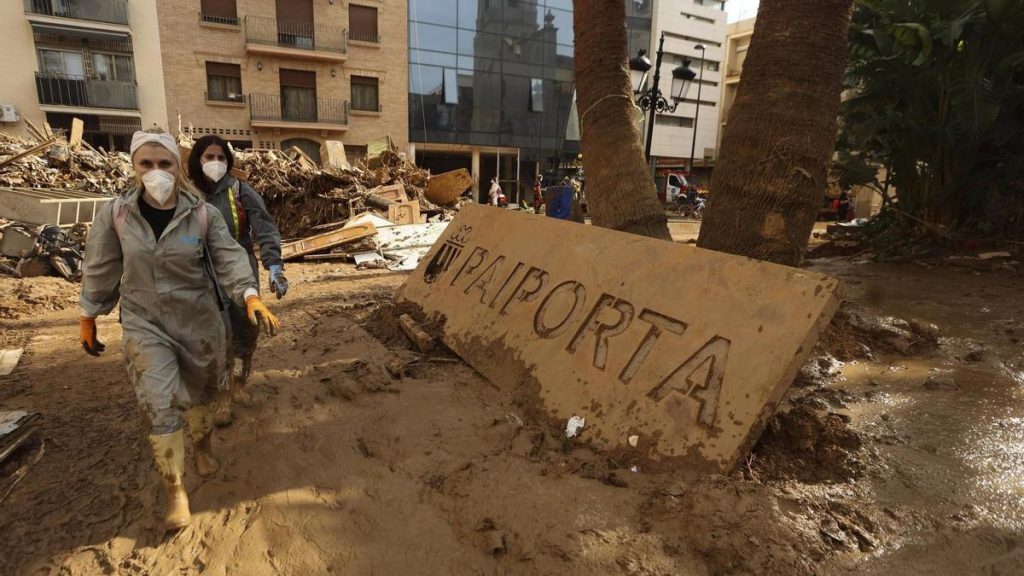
(899,451)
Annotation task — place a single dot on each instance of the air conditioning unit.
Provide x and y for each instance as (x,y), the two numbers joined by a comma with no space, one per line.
(8,113)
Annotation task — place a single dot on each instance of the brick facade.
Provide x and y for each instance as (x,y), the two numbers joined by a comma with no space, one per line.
(187,44)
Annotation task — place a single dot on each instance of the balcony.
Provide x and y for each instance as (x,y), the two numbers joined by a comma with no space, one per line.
(295,39)
(366,38)
(101,11)
(271,111)
(86,92)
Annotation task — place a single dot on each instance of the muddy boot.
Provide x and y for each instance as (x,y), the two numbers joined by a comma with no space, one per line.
(222,415)
(200,428)
(239,378)
(169,454)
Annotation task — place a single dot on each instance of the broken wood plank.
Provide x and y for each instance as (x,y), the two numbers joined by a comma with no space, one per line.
(15,428)
(77,128)
(30,152)
(423,341)
(404,212)
(326,241)
(333,155)
(33,129)
(332,257)
(394,193)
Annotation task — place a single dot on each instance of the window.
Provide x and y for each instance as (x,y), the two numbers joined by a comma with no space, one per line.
(298,95)
(61,63)
(712,66)
(536,95)
(113,67)
(362,23)
(365,94)
(451,86)
(219,12)
(676,121)
(689,16)
(224,82)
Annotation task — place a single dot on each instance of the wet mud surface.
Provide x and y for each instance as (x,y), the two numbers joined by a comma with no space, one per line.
(898,451)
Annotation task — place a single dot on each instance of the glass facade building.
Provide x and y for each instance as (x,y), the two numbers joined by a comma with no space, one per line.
(493,76)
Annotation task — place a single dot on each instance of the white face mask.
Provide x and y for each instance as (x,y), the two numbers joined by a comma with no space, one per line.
(215,170)
(159,185)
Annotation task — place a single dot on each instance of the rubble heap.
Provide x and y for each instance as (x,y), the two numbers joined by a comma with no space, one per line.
(57,165)
(303,198)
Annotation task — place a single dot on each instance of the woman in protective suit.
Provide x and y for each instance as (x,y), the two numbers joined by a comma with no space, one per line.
(209,167)
(161,251)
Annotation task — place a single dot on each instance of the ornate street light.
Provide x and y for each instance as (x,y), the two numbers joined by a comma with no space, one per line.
(651,99)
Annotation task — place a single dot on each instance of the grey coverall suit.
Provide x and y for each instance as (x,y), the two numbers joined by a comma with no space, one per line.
(173,344)
(254,227)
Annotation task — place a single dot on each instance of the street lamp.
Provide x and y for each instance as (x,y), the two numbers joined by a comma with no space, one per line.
(696,113)
(651,99)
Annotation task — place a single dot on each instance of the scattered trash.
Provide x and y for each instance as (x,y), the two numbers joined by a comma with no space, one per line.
(576,423)
(9,360)
(15,428)
(446,188)
(634,440)
(423,341)
(634,469)
(46,250)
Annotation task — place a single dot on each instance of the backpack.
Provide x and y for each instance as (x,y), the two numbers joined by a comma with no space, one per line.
(119,210)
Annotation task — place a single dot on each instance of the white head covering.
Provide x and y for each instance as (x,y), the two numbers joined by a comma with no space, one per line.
(164,139)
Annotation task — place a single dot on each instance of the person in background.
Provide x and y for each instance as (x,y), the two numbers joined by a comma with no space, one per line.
(496,196)
(844,212)
(209,167)
(165,256)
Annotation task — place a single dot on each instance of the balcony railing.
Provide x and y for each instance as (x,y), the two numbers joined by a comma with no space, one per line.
(272,108)
(109,11)
(225,20)
(289,34)
(374,38)
(85,91)
(236,98)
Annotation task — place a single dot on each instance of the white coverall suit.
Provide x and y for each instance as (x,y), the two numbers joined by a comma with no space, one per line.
(173,340)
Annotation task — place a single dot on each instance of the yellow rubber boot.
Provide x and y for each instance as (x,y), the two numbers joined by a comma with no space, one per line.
(200,428)
(222,415)
(169,454)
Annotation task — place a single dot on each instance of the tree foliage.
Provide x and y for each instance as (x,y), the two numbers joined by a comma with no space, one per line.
(935,94)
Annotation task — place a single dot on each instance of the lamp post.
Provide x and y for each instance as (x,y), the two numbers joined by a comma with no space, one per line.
(696,113)
(651,99)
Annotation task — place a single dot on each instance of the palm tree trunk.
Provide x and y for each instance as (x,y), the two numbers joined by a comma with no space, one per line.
(772,173)
(620,191)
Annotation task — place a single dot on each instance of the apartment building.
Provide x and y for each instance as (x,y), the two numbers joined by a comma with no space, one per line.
(97,60)
(282,73)
(737,41)
(695,31)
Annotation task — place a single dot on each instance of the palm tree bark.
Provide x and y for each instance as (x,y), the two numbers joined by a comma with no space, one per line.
(620,191)
(772,173)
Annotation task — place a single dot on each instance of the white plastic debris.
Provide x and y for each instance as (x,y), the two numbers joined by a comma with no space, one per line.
(634,469)
(634,440)
(576,423)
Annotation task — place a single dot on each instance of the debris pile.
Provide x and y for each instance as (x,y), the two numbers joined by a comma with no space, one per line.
(305,199)
(53,163)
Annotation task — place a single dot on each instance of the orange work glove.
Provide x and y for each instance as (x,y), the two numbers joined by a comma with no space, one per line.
(260,316)
(87,332)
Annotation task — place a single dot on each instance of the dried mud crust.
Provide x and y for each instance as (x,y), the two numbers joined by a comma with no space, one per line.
(25,298)
(854,335)
(810,446)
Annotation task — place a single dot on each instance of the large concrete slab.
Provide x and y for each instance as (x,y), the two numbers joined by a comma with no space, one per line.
(689,350)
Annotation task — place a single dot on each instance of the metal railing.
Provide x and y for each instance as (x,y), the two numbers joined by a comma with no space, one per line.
(271,107)
(225,20)
(238,98)
(289,34)
(374,38)
(110,11)
(367,107)
(67,90)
